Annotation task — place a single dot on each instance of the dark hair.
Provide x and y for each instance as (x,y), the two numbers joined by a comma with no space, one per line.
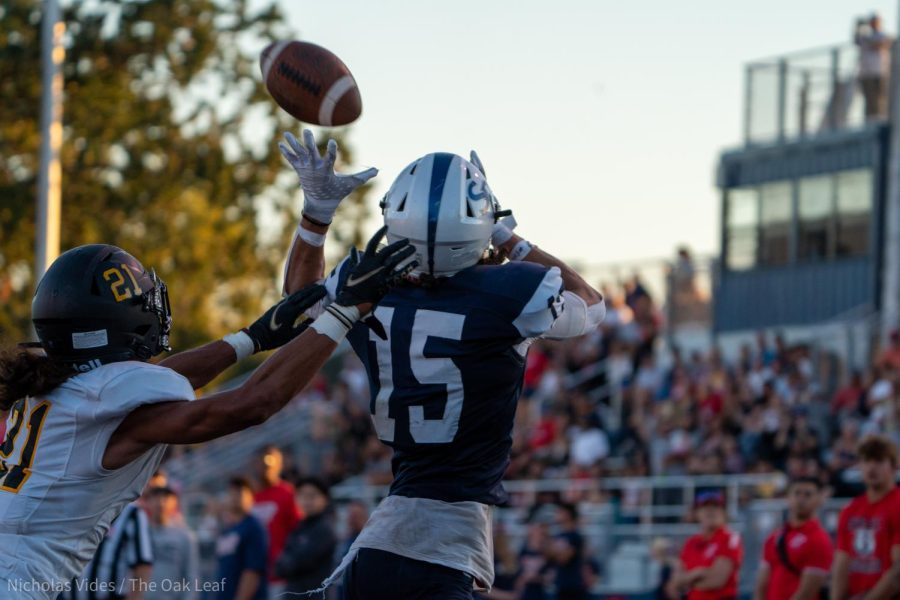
(241,483)
(422,280)
(877,448)
(429,282)
(24,373)
(314,482)
(569,508)
(806,479)
(161,491)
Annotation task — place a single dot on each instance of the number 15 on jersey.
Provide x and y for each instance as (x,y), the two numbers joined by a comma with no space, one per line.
(425,325)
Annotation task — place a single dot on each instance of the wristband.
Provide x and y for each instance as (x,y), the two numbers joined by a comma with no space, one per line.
(500,235)
(242,343)
(314,222)
(336,321)
(520,250)
(310,237)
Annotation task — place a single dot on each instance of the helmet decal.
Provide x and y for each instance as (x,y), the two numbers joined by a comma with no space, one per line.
(89,339)
(479,194)
(97,304)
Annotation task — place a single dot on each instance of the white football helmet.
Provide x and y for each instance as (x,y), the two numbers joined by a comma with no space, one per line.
(444,206)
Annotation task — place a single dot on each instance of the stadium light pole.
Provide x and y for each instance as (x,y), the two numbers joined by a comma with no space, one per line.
(50,174)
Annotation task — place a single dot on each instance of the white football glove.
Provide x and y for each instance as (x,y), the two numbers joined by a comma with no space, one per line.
(323,189)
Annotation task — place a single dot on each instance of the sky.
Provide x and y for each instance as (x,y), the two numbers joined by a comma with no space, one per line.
(599,123)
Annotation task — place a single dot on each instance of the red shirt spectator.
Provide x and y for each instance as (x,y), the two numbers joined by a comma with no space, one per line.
(705,574)
(536,363)
(868,540)
(890,357)
(712,405)
(274,503)
(807,548)
(544,433)
(847,398)
(702,551)
(866,532)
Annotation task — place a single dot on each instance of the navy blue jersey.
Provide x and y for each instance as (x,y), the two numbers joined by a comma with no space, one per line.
(446,380)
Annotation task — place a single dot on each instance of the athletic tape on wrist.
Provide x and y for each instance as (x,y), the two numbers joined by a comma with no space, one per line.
(242,343)
(310,237)
(520,250)
(501,234)
(336,321)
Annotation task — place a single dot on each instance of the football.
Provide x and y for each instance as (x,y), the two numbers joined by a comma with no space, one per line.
(310,83)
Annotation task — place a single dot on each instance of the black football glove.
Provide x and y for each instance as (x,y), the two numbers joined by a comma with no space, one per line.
(286,320)
(375,272)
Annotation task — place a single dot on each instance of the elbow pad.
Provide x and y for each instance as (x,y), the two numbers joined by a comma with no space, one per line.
(596,313)
(577,317)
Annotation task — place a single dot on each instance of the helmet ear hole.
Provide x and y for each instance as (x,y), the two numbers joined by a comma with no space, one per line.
(142,329)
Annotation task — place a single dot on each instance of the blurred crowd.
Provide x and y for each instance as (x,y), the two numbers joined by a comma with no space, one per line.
(772,408)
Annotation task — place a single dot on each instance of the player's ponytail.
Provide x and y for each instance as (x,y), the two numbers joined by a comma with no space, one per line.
(23,373)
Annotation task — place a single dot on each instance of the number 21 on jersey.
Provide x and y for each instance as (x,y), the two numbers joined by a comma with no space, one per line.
(426,324)
(17,450)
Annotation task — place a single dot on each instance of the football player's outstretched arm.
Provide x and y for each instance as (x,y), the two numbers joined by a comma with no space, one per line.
(275,328)
(202,364)
(305,261)
(276,381)
(517,248)
(582,306)
(323,191)
(574,282)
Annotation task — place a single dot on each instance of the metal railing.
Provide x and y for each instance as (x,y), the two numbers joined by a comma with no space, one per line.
(738,489)
(802,94)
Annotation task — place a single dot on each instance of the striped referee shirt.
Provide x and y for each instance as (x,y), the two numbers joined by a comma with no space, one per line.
(127,545)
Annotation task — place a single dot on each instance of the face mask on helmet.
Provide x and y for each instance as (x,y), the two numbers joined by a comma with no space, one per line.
(442,203)
(97,304)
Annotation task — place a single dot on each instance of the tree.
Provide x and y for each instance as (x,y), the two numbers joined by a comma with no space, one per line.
(169,151)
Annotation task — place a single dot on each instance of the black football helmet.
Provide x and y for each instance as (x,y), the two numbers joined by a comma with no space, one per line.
(96,304)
